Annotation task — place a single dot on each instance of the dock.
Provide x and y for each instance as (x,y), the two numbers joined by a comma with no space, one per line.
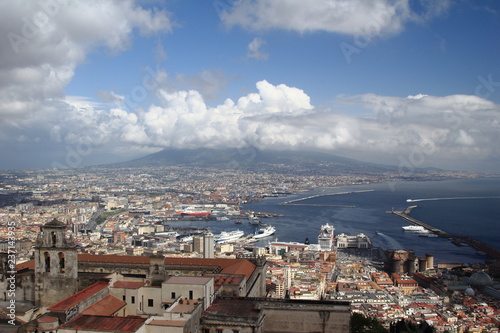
(457,240)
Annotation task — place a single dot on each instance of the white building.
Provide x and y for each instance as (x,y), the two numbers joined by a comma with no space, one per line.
(360,241)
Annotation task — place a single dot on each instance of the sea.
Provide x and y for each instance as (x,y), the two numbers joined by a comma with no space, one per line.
(469,207)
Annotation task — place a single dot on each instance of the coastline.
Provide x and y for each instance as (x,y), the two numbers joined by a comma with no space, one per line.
(369,215)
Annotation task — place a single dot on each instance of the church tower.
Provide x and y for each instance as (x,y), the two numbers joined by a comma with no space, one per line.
(56,265)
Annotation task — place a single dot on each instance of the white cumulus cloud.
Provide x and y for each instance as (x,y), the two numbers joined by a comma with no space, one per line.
(44,41)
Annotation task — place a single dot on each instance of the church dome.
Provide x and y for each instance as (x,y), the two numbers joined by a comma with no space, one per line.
(480,279)
(469,291)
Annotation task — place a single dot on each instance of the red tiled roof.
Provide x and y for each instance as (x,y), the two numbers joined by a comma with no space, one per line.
(106,324)
(30,264)
(107,306)
(128,284)
(229,266)
(78,297)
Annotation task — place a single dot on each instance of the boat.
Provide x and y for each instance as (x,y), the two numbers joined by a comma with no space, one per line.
(222,218)
(194,211)
(264,232)
(325,237)
(238,222)
(414,228)
(253,220)
(225,236)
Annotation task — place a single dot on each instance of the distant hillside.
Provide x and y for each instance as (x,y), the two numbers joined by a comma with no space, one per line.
(250,158)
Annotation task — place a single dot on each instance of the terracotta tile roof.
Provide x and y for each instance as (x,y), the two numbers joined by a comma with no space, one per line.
(128,284)
(78,297)
(228,266)
(107,306)
(105,324)
(30,264)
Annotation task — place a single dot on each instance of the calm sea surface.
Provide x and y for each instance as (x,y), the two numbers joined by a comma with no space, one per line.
(463,207)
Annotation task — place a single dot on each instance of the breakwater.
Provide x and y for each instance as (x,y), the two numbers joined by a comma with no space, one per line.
(456,239)
(298,202)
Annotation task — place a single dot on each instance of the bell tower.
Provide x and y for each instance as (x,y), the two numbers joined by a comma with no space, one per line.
(56,265)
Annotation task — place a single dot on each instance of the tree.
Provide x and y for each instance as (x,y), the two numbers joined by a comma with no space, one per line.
(406,326)
(362,324)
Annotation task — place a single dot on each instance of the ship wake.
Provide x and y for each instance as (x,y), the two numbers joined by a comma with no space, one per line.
(451,198)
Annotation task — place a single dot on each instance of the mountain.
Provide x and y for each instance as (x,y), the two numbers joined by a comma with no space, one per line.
(253,159)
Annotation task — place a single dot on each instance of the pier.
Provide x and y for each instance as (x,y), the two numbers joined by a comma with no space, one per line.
(457,240)
(318,205)
(296,202)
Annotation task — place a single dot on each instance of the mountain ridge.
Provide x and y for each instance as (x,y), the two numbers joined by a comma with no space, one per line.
(251,158)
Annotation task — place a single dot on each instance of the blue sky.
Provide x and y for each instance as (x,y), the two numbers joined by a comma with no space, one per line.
(409,83)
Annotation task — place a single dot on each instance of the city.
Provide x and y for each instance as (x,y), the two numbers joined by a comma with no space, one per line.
(123,214)
(249,166)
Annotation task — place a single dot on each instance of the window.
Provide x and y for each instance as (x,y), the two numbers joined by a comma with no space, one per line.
(47,261)
(150,302)
(190,294)
(205,330)
(132,299)
(124,298)
(219,330)
(61,262)
(173,295)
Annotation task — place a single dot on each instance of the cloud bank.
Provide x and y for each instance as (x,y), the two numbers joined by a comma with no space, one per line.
(421,130)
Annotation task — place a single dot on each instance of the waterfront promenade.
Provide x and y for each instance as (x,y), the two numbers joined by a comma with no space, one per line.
(457,240)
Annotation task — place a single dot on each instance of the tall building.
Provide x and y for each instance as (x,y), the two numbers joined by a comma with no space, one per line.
(198,244)
(208,245)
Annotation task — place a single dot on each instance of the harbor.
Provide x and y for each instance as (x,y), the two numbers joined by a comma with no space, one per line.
(455,239)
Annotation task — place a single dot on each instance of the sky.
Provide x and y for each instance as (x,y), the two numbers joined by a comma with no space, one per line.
(407,83)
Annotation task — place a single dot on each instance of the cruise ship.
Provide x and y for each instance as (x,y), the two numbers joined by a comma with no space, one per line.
(225,236)
(264,232)
(194,211)
(325,238)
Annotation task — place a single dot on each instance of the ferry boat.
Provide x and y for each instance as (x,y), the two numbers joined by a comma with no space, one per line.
(264,232)
(253,220)
(225,236)
(414,228)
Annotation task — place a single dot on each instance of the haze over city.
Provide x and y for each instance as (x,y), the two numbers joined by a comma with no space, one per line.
(379,81)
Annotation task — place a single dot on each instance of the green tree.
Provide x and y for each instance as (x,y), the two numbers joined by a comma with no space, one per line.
(362,324)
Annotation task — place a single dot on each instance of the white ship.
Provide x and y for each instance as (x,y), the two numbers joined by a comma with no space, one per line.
(325,237)
(225,236)
(414,228)
(264,232)
(253,220)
